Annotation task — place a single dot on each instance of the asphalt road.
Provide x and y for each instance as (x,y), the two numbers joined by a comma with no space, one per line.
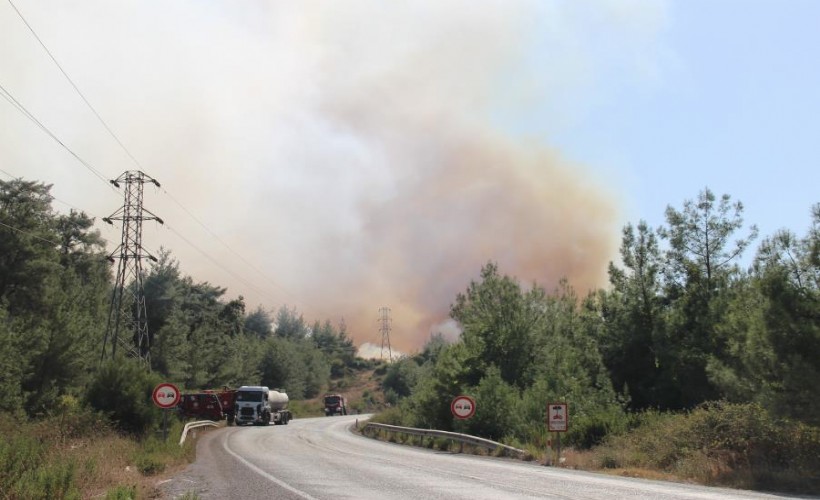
(319,458)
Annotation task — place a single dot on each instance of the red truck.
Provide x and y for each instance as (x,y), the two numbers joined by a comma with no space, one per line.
(335,404)
(209,404)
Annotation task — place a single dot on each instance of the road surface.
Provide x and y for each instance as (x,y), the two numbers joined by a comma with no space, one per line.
(319,458)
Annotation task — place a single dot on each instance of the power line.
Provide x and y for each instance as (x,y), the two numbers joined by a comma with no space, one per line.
(125,149)
(9,174)
(17,104)
(77,89)
(220,240)
(14,102)
(29,233)
(384,329)
(131,156)
(130,253)
(215,261)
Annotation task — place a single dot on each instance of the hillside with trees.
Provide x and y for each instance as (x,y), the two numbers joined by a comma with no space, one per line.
(682,325)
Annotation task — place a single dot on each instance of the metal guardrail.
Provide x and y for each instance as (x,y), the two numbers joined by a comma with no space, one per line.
(193,425)
(454,436)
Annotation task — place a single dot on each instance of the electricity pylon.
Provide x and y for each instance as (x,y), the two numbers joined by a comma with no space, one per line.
(384,329)
(129,272)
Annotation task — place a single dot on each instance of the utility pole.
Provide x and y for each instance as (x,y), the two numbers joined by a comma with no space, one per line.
(127,311)
(384,329)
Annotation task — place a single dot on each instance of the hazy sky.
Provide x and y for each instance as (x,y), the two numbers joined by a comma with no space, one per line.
(345,156)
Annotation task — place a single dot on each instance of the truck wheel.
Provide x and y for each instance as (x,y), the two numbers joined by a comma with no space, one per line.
(230,419)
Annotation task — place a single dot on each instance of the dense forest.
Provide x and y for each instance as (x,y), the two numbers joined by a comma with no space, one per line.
(55,289)
(681,324)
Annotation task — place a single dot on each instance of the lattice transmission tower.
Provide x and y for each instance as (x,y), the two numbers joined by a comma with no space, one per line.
(127,312)
(385,325)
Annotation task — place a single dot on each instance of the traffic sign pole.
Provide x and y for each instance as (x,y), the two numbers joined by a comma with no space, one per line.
(557,422)
(165,425)
(165,396)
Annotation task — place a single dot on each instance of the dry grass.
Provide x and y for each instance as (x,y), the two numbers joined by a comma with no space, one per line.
(82,457)
(362,390)
(111,461)
(736,446)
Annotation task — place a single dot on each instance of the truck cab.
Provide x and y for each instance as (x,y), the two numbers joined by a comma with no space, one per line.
(252,406)
(335,404)
(200,405)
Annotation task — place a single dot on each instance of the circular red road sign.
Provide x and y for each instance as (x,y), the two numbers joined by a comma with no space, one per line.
(165,395)
(463,407)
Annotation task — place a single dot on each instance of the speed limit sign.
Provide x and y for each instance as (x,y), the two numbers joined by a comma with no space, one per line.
(165,395)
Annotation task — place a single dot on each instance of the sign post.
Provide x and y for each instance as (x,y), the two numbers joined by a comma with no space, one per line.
(557,422)
(165,396)
(462,407)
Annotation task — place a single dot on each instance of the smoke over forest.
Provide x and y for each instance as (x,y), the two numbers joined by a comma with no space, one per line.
(357,164)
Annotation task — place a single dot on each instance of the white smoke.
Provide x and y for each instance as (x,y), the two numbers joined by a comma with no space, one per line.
(356,154)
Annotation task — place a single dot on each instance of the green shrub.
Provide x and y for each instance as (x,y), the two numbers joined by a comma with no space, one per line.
(592,428)
(496,402)
(724,443)
(149,464)
(122,493)
(21,456)
(51,480)
(390,416)
(122,390)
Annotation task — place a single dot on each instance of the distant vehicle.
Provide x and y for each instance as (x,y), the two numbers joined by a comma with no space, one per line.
(258,405)
(209,404)
(335,404)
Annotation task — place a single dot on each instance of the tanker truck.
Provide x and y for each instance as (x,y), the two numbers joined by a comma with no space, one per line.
(258,405)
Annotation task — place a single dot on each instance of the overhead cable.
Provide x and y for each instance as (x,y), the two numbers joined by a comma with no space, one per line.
(77,89)
(14,102)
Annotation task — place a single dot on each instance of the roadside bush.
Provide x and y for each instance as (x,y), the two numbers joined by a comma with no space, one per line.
(19,454)
(390,416)
(400,377)
(496,403)
(591,428)
(738,445)
(122,493)
(122,391)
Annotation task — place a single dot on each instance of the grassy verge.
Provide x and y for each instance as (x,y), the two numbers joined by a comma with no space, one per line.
(718,444)
(78,455)
(733,445)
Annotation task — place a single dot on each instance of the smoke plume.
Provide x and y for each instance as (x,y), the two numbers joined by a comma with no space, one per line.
(355,155)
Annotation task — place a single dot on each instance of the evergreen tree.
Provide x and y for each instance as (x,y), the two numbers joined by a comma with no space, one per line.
(498,321)
(633,342)
(774,329)
(259,323)
(700,264)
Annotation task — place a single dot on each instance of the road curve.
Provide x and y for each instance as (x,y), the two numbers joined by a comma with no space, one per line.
(319,458)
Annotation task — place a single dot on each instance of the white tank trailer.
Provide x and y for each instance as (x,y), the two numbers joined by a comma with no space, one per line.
(278,400)
(258,405)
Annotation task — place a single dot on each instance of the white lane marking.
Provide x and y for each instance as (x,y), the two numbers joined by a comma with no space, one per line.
(381,460)
(267,476)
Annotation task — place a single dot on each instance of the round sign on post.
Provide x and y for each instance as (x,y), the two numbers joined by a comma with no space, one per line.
(165,396)
(463,407)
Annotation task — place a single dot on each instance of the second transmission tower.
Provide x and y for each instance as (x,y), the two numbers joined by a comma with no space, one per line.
(127,311)
(385,325)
